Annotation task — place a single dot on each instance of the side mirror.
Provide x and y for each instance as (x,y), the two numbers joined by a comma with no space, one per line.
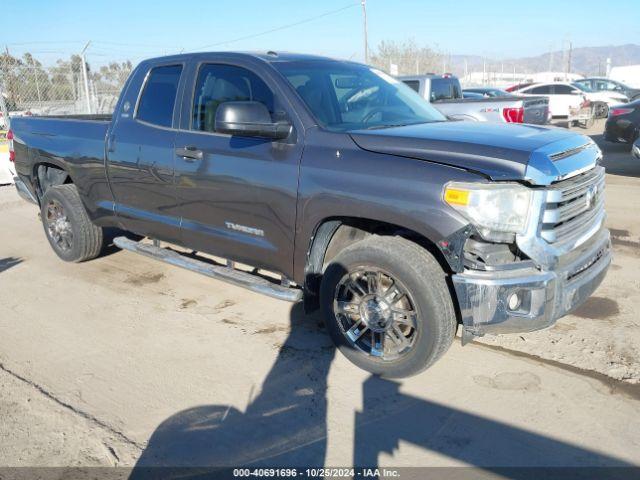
(249,119)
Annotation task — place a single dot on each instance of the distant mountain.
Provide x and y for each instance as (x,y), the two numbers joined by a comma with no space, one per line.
(584,60)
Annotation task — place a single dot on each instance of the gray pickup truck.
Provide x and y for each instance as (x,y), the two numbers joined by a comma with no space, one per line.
(332,182)
(445,93)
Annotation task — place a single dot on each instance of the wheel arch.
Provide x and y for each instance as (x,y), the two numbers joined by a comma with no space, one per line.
(332,235)
(49,174)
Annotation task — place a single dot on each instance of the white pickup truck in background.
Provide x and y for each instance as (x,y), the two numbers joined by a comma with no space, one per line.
(445,93)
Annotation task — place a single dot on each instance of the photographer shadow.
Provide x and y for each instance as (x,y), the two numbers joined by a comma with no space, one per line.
(286,425)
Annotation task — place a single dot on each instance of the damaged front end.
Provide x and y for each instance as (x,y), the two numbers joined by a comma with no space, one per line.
(545,270)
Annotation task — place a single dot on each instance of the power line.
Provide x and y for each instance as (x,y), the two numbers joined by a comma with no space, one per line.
(277,29)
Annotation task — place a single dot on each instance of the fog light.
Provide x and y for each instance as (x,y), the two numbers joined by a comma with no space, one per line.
(514,301)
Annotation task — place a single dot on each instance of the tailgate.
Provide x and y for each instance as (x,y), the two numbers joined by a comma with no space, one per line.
(536,110)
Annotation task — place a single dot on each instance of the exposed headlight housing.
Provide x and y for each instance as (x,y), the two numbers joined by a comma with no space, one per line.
(497,210)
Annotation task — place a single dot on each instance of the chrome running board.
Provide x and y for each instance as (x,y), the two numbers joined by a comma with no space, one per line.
(239,278)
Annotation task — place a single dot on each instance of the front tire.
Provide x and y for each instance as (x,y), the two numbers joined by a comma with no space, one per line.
(388,307)
(67,226)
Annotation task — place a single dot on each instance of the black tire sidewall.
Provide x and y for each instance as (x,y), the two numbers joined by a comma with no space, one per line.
(423,289)
(61,195)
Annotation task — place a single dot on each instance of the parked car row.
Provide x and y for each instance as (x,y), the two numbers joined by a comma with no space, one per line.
(445,93)
(580,101)
(565,96)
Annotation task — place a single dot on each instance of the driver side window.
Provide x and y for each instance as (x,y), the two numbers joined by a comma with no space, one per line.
(219,83)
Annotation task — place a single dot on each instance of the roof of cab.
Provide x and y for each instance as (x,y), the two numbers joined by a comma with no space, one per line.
(268,56)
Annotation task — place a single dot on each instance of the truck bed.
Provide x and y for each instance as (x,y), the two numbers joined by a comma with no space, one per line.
(73,143)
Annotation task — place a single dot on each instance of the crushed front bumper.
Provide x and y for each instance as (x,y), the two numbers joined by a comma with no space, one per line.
(527,299)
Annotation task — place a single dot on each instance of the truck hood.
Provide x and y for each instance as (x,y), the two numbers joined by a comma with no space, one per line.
(539,155)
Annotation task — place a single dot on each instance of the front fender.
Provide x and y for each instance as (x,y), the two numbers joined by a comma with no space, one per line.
(400,191)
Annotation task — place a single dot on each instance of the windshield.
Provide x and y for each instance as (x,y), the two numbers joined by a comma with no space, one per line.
(345,96)
(582,87)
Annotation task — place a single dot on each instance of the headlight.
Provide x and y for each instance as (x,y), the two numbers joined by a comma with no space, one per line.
(497,210)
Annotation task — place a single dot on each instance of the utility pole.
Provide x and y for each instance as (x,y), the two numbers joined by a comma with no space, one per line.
(85,77)
(569,59)
(366,42)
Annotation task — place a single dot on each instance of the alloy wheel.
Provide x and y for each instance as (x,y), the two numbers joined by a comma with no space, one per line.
(58,226)
(376,313)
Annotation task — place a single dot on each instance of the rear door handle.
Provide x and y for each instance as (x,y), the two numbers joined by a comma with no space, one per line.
(189,153)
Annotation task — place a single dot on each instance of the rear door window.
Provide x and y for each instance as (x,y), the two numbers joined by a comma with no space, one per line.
(413,84)
(563,90)
(542,90)
(158,98)
(444,89)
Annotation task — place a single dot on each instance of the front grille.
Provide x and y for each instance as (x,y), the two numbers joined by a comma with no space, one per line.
(573,206)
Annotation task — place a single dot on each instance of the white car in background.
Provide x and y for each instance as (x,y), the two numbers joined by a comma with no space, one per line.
(565,97)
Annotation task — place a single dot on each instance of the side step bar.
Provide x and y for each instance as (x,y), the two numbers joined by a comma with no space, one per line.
(236,277)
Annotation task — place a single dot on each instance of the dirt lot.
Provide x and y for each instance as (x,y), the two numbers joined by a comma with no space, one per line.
(124,360)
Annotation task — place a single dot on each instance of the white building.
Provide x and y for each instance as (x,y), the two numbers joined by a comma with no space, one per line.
(629,75)
(505,79)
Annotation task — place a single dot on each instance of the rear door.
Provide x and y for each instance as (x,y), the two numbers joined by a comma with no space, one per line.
(556,105)
(141,162)
(238,196)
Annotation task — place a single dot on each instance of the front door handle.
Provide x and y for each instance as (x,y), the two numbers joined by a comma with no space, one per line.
(189,152)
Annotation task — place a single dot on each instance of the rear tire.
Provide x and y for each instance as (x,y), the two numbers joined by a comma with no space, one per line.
(388,333)
(67,226)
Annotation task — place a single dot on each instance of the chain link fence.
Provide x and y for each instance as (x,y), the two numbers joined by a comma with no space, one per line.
(69,87)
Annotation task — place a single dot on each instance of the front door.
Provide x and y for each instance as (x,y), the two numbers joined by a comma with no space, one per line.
(237,195)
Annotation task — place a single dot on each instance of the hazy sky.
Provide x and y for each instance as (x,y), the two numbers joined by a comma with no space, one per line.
(137,29)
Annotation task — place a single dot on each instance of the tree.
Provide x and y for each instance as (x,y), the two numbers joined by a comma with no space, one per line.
(408,56)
